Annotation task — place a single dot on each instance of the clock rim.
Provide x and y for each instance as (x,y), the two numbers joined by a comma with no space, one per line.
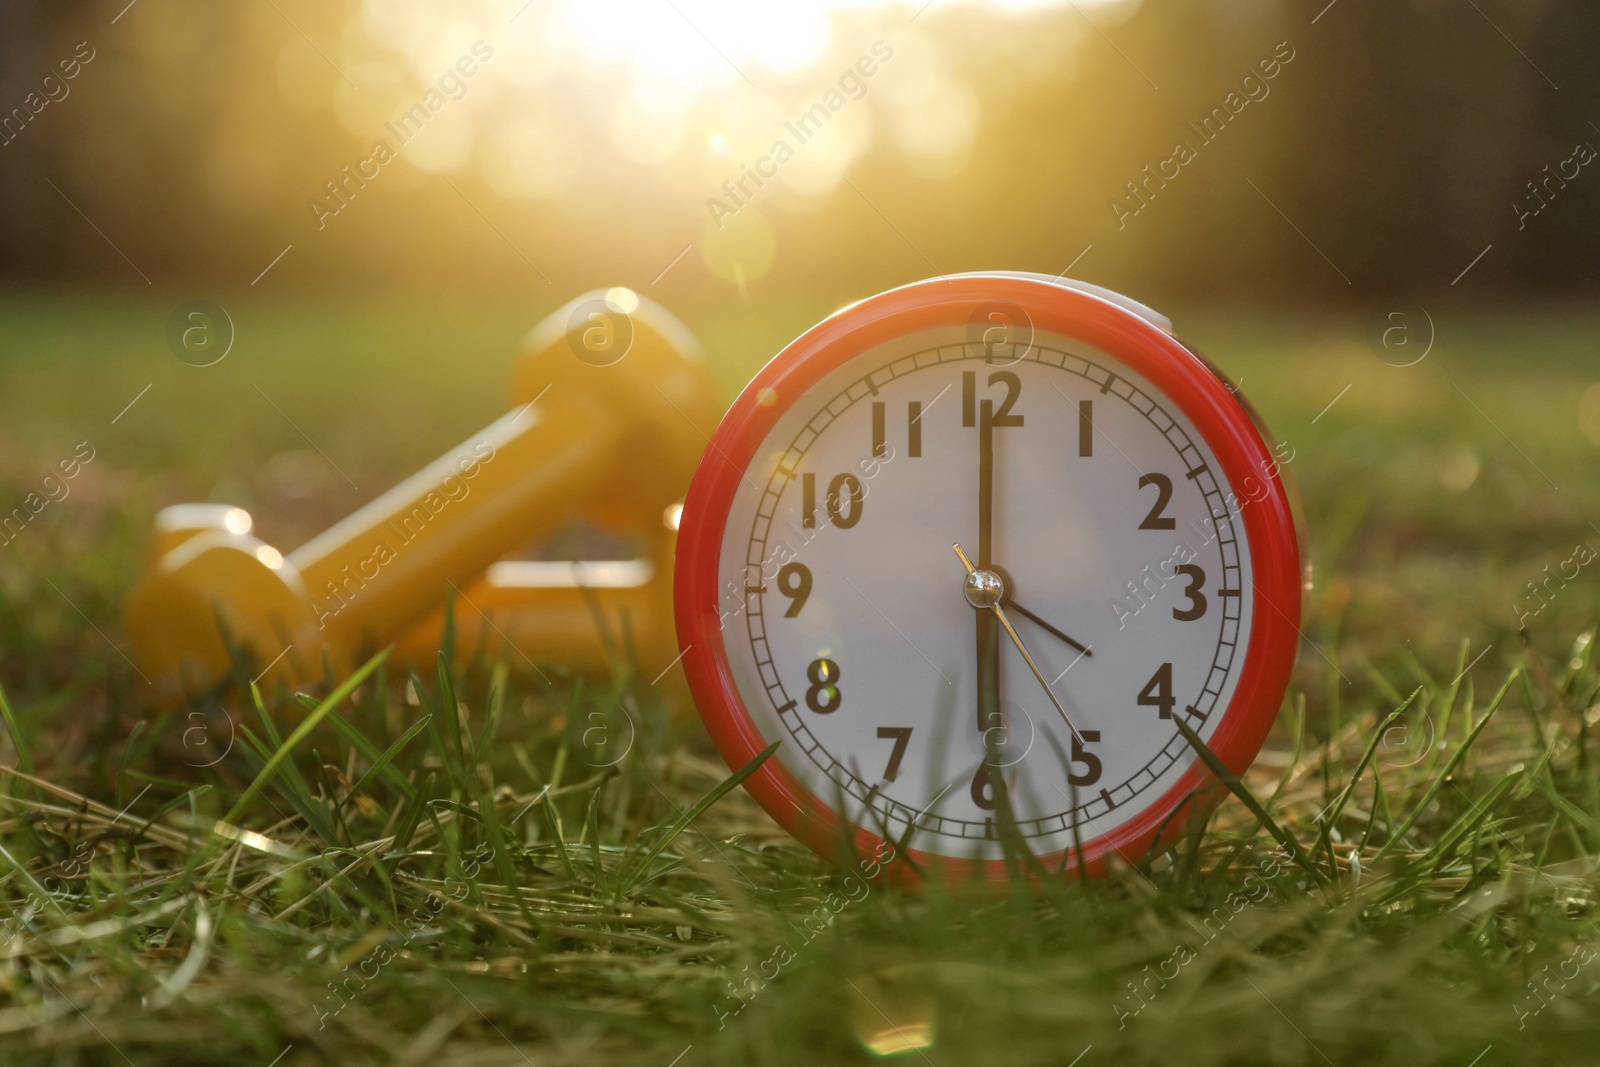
(1184,379)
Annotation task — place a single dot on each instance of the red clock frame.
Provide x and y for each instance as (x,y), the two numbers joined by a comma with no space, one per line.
(1183,377)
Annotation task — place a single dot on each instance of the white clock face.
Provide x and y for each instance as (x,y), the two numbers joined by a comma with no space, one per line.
(1105,518)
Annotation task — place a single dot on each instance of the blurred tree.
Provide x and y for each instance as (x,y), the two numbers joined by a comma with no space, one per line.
(1385,156)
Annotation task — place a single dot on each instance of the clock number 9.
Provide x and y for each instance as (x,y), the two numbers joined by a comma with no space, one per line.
(794,582)
(823,697)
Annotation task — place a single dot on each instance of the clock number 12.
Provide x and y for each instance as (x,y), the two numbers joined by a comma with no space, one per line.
(1002,415)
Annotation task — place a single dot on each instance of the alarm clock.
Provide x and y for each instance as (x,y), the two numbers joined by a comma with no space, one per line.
(971,550)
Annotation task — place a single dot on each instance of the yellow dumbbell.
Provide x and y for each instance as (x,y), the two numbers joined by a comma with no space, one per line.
(555,611)
(570,613)
(612,392)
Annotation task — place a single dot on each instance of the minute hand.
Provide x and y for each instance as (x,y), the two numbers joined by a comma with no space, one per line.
(1000,614)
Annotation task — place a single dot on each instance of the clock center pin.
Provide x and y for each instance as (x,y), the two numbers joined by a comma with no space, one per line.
(984,589)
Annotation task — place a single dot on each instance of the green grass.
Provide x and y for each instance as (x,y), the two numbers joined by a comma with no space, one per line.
(369,878)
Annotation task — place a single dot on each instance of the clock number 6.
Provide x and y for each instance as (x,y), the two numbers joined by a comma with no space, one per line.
(823,697)
(983,788)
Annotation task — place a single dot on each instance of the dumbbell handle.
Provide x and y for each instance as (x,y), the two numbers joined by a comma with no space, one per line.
(517,481)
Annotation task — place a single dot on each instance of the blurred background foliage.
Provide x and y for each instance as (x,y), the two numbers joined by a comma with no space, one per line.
(1399,141)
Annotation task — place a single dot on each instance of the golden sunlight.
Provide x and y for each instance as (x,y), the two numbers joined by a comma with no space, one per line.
(565,95)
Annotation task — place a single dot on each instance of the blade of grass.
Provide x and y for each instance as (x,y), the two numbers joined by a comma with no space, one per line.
(502,855)
(452,717)
(199,790)
(436,736)
(358,741)
(24,757)
(1541,767)
(1331,817)
(1455,760)
(592,831)
(1237,788)
(1576,815)
(497,699)
(32,883)
(158,780)
(1294,753)
(1155,848)
(381,765)
(300,733)
(331,792)
(1462,681)
(292,785)
(1375,676)
(727,786)
(412,816)
(1471,818)
(560,840)
(314,814)
(460,809)
(122,760)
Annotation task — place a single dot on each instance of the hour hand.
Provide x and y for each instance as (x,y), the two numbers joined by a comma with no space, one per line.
(1037,621)
(985,590)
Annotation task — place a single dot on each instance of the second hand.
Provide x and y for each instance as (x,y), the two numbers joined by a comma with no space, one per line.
(986,590)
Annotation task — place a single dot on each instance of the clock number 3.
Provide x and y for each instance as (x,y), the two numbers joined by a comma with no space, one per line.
(1197,599)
